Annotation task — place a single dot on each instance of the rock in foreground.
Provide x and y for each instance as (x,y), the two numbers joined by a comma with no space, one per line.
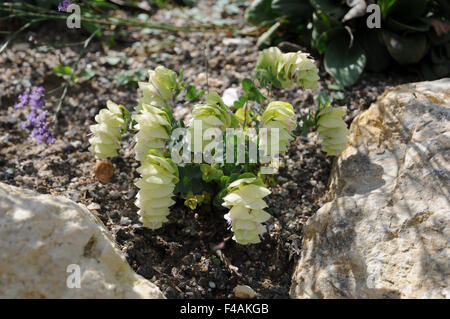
(385,231)
(44,239)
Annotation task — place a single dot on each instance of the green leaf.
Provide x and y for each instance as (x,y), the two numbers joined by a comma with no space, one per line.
(335,87)
(295,9)
(88,73)
(338,96)
(266,38)
(191,92)
(397,26)
(327,36)
(378,57)
(408,10)
(241,101)
(260,11)
(345,63)
(324,99)
(61,70)
(329,7)
(247,84)
(321,24)
(386,6)
(408,49)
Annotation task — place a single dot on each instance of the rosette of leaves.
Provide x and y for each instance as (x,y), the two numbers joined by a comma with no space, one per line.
(159,176)
(246,214)
(108,131)
(340,32)
(278,115)
(332,130)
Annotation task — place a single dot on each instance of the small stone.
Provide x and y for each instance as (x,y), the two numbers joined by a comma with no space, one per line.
(244,292)
(212,284)
(94,206)
(125,221)
(104,171)
(115,195)
(230,95)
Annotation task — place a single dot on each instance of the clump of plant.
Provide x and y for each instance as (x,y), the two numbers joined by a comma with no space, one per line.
(224,158)
(36,121)
(412,33)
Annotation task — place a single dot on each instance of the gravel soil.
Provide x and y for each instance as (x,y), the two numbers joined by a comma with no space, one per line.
(193,255)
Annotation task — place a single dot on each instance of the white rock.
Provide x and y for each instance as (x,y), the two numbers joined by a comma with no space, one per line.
(230,96)
(385,231)
(42,235)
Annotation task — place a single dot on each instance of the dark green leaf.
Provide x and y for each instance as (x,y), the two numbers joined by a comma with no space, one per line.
(408,49)
(329,7)
(295,9)
(345,63)
(260,11)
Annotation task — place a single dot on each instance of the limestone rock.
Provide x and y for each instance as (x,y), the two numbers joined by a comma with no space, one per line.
(44,239)
(384,232)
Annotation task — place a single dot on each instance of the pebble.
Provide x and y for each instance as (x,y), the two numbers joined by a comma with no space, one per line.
(212,284)
(244,292)
(125,221)
(94,206)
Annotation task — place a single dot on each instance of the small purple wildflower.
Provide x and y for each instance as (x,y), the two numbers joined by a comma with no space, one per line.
(37,118)
(36,97)
(23,100)
(64,5)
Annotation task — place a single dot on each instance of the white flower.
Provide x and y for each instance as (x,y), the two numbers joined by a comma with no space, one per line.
(297,68)
(159,89)
(107,132)
(154,113)
(246,214)
(332,130)
(278,115)
(158,178)
(285,70)
(154,129)
(212,113)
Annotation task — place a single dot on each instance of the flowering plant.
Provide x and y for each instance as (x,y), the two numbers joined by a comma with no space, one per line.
(227,152)
(37,117)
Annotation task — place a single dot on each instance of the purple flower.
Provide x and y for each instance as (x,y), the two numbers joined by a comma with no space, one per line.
(23,100)
(37,118)
(37,98)
(64,5)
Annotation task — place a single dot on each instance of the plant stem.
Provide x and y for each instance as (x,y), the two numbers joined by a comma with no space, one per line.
(117,22)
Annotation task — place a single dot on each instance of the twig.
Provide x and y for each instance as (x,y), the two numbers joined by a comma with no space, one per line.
(224,259)
(245,114)
(117,21)
(207,70)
